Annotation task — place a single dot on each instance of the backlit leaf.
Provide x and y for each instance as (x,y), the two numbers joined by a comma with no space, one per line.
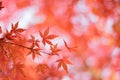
(14,27)
(34,52)
(42,68)
(18,68)
(63,63)
(54,50)
(69,48)
(46,32)
(20,30)
(52,36)
(46,37)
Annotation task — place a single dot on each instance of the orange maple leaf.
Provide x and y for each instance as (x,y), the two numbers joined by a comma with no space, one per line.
(14,33)
(54,50)
(63,63)
(9,36)
(46,38)
(16,30)
(34,51)
(1,5)
(35,42)
(18,68)
(42,68)
(35,48)
(69,48)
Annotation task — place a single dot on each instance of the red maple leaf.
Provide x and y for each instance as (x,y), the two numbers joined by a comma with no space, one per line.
(18,68)
(35,48)
(16,30)
(54,50)
(14,33)
(42,68)
(46,37)
(69,48)
(35,42)
(34,51)
(63,63)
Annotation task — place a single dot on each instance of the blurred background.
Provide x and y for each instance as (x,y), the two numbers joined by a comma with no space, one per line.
(93,26)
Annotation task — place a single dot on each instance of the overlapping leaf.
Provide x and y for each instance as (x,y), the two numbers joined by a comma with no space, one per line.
(34,42)
(14,33)
(35,48)
(63,63)
(34,52)
(46,37)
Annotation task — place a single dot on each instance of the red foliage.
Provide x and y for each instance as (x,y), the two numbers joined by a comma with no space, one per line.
(46,37)
(63,62)
(89,34)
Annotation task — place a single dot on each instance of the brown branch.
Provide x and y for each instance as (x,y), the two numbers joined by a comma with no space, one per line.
(24,47)
(17,45)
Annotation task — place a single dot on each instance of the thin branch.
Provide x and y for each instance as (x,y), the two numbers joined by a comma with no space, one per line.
(17,45)
(24,47)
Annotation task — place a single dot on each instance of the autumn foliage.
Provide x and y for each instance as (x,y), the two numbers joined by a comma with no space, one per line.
(59,40)
(12,38)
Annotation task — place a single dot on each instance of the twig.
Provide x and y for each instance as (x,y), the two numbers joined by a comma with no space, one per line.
(17,45)
(24,46)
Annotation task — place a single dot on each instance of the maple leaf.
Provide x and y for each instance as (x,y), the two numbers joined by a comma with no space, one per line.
(42,68)
(63,63)
(9,36)
(16,30)
(18,68)
(35,42)
(46,38)
(1,5)
(35,48)
(69,48)
(54,50)
(34,52)
(14,33)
